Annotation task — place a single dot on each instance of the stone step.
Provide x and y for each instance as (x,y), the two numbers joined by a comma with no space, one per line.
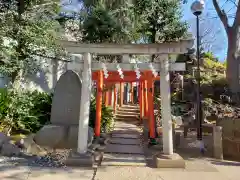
(128,113)
(123,160)
(127,119)
(130,105)
(120,124)
(123,141)
(125,135)
(128,110)
(126,116)
(129,132)
(126,128)
(123,149)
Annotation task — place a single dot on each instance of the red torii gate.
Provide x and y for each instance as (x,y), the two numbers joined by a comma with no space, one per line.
(145,90)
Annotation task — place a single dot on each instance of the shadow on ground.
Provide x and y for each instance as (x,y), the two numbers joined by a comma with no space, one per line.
(225,163)
(23,168)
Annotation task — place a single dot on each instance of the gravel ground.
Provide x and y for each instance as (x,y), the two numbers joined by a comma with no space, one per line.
(55,159)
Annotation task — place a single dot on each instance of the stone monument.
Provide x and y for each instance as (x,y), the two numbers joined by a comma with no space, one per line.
(62,133)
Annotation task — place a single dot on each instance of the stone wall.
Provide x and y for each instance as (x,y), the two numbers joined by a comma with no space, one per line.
(231,137)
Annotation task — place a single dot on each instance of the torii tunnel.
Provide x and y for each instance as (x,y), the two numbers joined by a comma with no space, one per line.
(145,94)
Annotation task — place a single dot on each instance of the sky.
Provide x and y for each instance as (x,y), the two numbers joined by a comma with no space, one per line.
(209,21)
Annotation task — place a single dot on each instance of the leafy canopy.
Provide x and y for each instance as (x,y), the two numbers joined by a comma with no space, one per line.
(28,31)
(160,20)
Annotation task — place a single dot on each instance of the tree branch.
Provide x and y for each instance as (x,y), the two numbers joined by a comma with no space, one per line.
(237,17)
(222,15)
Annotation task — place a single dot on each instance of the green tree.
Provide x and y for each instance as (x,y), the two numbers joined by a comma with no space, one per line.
(100,26)
(104,21)
(160,20)
(107,21)
(29,32)
(132,21)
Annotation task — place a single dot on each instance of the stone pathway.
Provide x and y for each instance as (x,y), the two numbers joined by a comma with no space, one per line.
(196,169)
(124,148)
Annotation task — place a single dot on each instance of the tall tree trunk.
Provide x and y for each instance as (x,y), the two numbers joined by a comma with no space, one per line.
(16,75)
(153,40)
(233,59)
(233,53)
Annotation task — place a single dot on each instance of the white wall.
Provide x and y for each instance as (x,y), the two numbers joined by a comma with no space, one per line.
(3,81)
(46,78)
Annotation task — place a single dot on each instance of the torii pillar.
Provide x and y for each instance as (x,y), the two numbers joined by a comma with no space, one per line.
(140,100)
(121,94)
(115,99)
(99,104)
(131,92)
(166,107)
(145,99)
(85,105)
(150,108)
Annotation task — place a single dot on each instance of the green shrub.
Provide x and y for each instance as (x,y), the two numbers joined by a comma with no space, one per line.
(209,55)
(24,111)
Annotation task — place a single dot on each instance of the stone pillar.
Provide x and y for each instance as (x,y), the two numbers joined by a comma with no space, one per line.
(166,107)
(125,58)
(217,142)
(85,105)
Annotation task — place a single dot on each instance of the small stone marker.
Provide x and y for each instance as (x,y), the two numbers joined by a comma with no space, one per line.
(66,99)
(217,142)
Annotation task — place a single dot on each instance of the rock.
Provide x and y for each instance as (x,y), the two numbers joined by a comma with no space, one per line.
(72,139)
(3,138)
(20,143)
(94,146)
(50,136)
(31,147)
(60,137)
(9,149)
(90,135)
(104,135)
